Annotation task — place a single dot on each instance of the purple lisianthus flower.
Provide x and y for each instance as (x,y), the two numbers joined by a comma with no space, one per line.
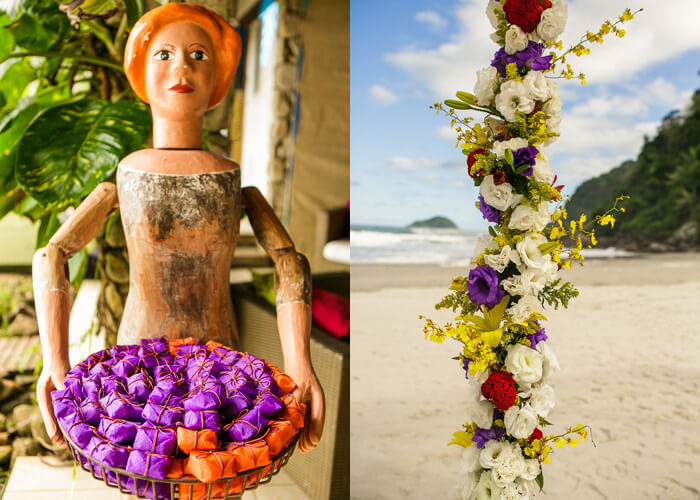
(525,156)
(532,56)
(490,213)
(501,59)
(482,436)
(465,365)
(483,286)
(537,337)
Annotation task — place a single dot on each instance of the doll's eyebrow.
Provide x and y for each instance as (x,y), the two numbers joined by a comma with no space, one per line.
(164,46)
(199,44)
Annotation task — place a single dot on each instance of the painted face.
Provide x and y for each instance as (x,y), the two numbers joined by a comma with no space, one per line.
(180,71)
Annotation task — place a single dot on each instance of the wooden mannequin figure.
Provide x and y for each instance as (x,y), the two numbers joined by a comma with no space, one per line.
(180,208)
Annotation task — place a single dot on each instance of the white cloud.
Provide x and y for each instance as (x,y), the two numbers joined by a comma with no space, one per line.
(431,18)
(405,163)
(382,95)
(447,133)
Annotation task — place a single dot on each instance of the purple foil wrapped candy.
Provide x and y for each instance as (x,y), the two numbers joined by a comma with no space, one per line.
(111,455)
(267,384)
(95,358)
(173,384)
(252,366)
(268,404)
(246,427)
(92,411)
(203,399)
(227,356)
(126,366)
(91,387)
(237,403)
(119,351)
(113,383)
(205,419)
(80,433)
(161,396)
(140,386)
(145,488)
(117,430)
(200,369)
(122,406)
(235,380)
(148,464)
(162,415)
(153,439)
(63,401)
(99,370)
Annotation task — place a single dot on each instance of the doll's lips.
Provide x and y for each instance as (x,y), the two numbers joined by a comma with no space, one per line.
(181,88)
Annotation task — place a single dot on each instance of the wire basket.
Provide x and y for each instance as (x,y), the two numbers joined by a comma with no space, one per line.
(251,478)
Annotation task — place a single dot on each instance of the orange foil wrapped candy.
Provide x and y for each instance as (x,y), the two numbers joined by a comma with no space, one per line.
(279,434)
(189,439)
(249,455)
(218,489)
(284,382)
(209,466)
(293,411)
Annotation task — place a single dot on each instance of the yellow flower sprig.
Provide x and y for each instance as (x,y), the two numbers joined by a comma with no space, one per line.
(580,48)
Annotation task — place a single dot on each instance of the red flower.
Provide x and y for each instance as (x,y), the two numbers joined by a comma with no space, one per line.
(525,13)
(471,159)
(499,177)
(536,434)
(500,388)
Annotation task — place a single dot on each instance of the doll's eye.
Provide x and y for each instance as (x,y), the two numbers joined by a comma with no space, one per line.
(198,55)
(163,55)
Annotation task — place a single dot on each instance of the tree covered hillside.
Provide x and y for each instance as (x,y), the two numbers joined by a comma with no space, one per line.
(663,184)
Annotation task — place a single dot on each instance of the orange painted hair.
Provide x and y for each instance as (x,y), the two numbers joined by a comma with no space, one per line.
(227,45)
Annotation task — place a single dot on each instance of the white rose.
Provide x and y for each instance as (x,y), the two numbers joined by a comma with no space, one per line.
(514,97)
(486,488)
(536,85)
(504,459)
(513,144)
(553,21)
(527,305)
(467,482)
(484,89)
(532,469)
(550,363)
(483,243)
(542,171)
(524,364)
(501,260)
(498,196)
(530,252)
(524,217)
(493,5)
(516,39)
(542,399)
(520,422)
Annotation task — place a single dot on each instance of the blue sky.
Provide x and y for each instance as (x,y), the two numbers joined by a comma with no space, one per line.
(406,55)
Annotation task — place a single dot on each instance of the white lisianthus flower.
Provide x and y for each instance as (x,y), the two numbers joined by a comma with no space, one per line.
(550,363)
(513,144)
(553,21)
(466,484)
(542,171)
(513,492)
(521,311)
(530,253)
(486,488)
(483,243)
(528,282)
(479,411)
(542,399)
(493,5)
(516,39)
(501,260)
(532,469)
(514,97)
(520,422)
(505,460)
(524,364)
(470,460)
(524,217)
(528,487)
(499,196)
(536,85)
(484,89)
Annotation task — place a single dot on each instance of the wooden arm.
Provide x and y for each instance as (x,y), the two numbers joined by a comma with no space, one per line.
(292,274)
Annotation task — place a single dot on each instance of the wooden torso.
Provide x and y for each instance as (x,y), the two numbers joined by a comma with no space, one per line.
(181,221)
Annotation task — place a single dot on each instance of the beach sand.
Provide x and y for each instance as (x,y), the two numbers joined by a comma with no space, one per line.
(629,347)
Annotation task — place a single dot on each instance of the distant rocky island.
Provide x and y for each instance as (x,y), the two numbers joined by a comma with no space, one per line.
(437,222)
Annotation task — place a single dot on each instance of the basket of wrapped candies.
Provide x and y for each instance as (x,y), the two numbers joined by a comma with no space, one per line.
(176,419)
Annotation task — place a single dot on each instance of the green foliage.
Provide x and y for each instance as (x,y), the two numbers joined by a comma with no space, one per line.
(663,182)
(556,295)
(264,285)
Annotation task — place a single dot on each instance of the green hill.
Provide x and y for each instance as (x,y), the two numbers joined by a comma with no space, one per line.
(437,222)
(663,183)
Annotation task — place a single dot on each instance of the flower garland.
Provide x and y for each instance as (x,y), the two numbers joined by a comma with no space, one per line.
(514,272)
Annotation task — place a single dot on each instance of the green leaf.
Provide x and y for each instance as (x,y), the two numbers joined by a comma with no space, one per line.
(264,284)
(134,10)
(4,19)
(78,266)
(510,160)
(30,34)
(540,480)
(522,169)
(31,209)
(492,232)
(7,43)
(10,198)
(49,225)
(456,358)
(451,103)
(70,149)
